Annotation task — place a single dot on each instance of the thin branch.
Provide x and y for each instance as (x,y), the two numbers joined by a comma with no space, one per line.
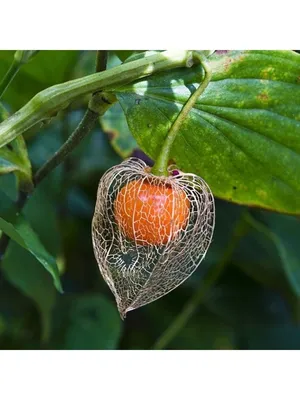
(101,60)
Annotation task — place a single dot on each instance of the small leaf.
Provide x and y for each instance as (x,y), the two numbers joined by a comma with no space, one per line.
(16,227)
(242,136)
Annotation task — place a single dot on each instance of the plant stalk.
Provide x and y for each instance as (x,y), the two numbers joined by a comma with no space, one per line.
(47,103)
(161,165)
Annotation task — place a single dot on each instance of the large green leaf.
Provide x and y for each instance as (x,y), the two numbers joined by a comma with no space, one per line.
(242,136)
(14,224)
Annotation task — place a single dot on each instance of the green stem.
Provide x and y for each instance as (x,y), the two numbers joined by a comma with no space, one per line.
(47,103)
(99,103)
(191,306)
(161,165)
(11,73)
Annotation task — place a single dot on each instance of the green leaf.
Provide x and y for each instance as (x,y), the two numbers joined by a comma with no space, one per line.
(45,69)
(242,136)
(86,322)
(114,124)
(14,224)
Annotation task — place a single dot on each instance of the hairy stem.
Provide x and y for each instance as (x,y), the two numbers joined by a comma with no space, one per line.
(161,164)
(47,103)
(191,306)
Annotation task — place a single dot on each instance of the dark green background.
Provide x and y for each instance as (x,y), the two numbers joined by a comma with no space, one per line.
(254,304)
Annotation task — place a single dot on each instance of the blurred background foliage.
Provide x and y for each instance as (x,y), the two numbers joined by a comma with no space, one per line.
(254,303)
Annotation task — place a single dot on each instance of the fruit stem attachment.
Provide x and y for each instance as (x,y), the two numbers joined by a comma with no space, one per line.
(160,167)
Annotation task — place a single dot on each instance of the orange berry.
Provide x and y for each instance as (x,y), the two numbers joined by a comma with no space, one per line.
(151,213)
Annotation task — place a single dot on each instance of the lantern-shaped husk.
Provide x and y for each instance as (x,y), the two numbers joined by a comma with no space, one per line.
(139,272)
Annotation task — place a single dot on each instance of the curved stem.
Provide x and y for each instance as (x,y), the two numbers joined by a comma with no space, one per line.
(191,306)
(161,165)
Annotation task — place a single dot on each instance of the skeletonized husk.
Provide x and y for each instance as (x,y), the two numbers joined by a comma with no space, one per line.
(138,274)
